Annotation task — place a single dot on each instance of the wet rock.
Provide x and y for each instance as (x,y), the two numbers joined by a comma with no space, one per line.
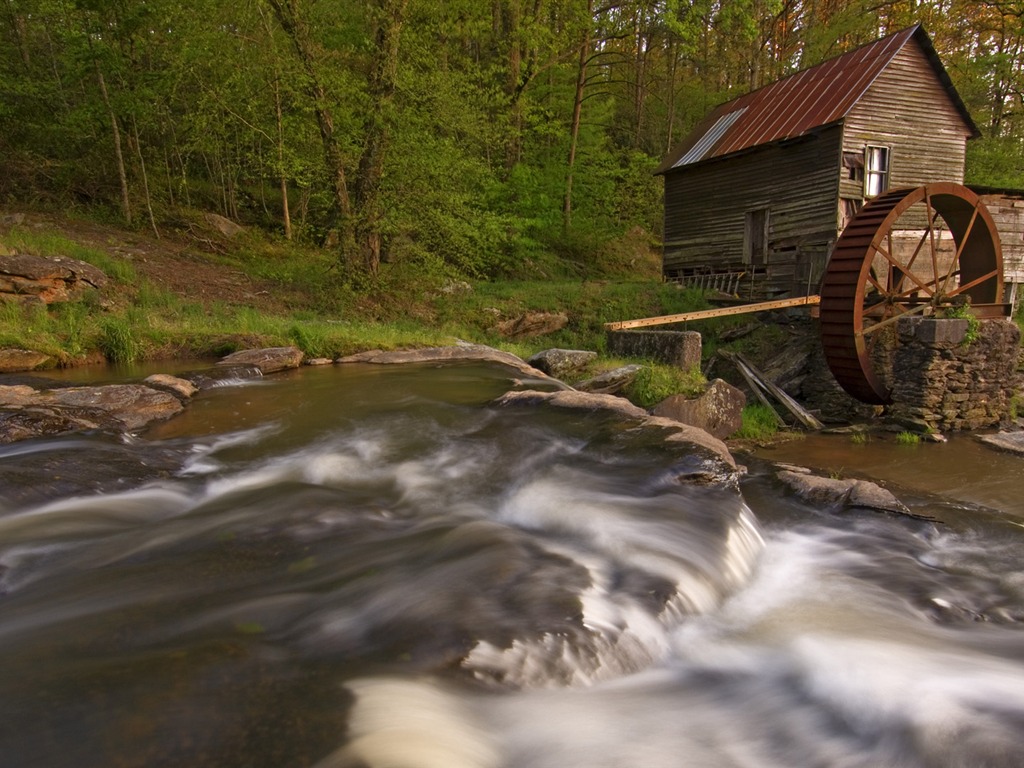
(319,361)
(268,360)
(13,360)
(28,412)
(611,382)
(533,324)
(26,423)
(223,376)
(1011,442)
(674,432)
(718,411)
(474,352)
(134,405)
(25,278)
(182,388)
(562,362)
(837,493)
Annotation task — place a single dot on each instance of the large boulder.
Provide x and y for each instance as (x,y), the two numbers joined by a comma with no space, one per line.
(25,278)
(562,362)
(718,411)
(268,360)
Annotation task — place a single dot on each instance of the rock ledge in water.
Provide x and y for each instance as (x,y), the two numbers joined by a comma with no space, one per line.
(26,412)
(839,493)
(269,360)
(676,432)
(456,352)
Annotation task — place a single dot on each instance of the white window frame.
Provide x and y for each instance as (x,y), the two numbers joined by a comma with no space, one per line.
(877,162)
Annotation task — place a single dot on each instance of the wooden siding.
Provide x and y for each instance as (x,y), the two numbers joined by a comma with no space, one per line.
(1007,211)
(706,207)
(908,110)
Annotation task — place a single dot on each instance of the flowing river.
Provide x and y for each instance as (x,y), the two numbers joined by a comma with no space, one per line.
(369,566)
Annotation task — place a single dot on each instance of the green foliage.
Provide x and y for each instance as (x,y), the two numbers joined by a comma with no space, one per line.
(860,438)
(908,438)
(963,312)
(759,423)
(654,382)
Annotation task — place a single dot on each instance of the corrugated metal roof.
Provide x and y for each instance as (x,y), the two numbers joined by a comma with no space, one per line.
(798,104)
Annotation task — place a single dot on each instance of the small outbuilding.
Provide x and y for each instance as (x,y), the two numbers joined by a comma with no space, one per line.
(757,194)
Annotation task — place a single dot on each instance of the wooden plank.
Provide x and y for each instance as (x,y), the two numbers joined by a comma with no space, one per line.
(804,416)
(703,314)
(755,386)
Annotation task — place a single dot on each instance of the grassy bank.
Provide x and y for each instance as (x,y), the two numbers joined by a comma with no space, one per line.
(306,300)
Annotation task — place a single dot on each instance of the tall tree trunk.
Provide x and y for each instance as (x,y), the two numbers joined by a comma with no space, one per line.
(577,110)
(126,205)
(295,27)
(285,212)
(145,178)
(378,130)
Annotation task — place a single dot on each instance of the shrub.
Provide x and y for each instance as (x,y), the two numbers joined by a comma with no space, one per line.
(117,341)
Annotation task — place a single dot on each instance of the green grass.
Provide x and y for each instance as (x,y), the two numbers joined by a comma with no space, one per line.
(655,382)
(759,423)
(48,243)
(860,438)
(908,438)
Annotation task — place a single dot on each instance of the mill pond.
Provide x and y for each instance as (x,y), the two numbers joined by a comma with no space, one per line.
(370,565)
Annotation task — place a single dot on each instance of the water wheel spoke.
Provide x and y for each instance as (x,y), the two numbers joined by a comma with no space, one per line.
(931,237)
(917,249)
(954,267)
(894,262)
(878,286)
(974,282)
(890,320)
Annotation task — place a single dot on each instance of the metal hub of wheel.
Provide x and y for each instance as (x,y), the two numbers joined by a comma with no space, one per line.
(907,252)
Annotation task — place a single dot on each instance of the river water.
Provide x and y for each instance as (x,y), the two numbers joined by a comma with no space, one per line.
(374,566)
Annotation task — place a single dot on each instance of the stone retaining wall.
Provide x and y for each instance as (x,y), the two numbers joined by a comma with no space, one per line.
(679,348)
(942,382)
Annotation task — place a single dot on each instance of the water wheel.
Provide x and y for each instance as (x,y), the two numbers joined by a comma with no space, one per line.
(908,251)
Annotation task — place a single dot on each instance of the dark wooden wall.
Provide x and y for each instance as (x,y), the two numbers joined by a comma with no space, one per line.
(706,207)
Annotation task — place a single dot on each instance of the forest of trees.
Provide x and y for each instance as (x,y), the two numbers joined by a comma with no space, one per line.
(470,136)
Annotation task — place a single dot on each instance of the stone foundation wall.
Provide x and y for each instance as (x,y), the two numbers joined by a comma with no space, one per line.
(942,382)
(679,348)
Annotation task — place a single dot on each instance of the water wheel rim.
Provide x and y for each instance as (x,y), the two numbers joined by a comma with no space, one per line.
(977,262)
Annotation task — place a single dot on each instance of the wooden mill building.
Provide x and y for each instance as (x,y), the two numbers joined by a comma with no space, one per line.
(757,194)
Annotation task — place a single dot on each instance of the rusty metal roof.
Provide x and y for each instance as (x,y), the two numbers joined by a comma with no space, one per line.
(798,104)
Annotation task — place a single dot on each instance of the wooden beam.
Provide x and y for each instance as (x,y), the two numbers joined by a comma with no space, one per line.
(703,314)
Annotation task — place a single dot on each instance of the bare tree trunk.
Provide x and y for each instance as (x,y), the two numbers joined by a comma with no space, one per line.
(145,178)
(285,213)
(126,206)
(378,130)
